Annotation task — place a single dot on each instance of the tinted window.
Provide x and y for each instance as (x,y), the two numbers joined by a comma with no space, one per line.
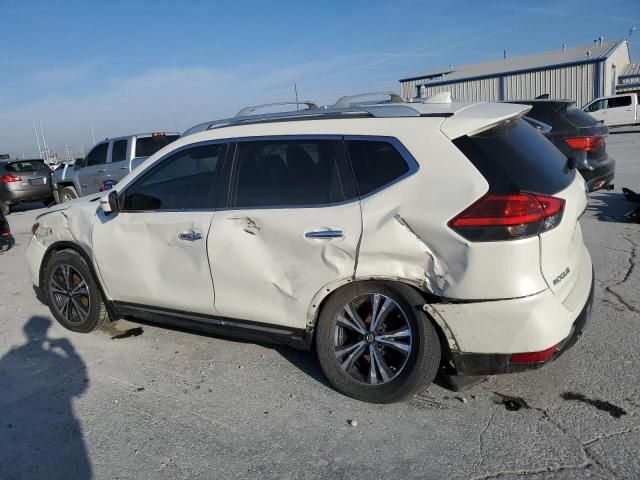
(25,166)
(288,172)
(599,105)
(187,180)
(515,157)
(119,151)
(147,146)
(98,155)
(578,118)
(622,101)
(375,164)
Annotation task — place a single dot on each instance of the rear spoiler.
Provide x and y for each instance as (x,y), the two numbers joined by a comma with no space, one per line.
(479,117)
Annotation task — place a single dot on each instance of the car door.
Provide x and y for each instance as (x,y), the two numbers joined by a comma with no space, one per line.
(598,109)
(291,228)
(118,167)
(621,111)
(153,252)
(93,174)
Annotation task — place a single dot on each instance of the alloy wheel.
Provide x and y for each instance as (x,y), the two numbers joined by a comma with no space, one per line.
(70,294)
(372,339)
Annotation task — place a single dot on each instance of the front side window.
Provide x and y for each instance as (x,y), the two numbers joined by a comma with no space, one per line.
(599,105)
(98,156)
(375,164)
(119,151)
(187,180)
(277,173)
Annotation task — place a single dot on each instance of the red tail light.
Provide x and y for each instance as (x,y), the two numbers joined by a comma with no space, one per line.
(532,357)
(158,134)
(507,217)
(588,144)
(9,179)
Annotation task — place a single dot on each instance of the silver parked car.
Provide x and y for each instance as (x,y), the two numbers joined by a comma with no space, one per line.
(106,164)
(23,181)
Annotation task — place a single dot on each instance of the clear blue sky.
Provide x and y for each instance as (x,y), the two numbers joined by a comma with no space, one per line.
(145,65)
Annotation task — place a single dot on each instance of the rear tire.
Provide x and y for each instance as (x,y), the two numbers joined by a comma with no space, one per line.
(67,194)
(5,208)
(72,293)
(395,358)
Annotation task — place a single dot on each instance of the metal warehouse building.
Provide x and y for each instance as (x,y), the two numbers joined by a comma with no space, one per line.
(579,73)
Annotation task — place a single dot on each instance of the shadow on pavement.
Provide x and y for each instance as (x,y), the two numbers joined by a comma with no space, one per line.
(610,206)
(40,437)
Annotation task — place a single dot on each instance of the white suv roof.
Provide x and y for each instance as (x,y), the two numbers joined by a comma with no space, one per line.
(461,118)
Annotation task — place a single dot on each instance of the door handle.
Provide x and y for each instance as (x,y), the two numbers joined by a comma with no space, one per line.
(102,171)
(124,168)
(190,236)
(325,234)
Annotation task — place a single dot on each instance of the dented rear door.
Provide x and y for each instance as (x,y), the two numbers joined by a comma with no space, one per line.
(292,227)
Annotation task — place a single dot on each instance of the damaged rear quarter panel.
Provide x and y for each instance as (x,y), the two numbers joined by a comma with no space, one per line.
(405,233)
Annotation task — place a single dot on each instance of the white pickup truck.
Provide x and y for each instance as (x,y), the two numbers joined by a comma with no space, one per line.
(106,164)
(616,110)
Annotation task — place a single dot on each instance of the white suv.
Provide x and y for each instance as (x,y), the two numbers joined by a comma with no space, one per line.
(396,238)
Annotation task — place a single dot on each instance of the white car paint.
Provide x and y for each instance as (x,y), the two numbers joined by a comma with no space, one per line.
(258,265)
(615,110)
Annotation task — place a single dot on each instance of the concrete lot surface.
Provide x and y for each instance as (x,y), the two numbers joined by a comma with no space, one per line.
(145,402)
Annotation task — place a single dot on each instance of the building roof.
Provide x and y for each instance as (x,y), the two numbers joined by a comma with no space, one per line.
(630,70)
(575,55)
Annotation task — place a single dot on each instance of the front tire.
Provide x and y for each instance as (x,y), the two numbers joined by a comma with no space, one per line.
(375,343)
(72,293)
(67,194)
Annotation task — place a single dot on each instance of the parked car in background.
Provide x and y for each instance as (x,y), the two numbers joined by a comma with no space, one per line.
(616,110)
(394,237)
(24,181)
(106,164)
(578,135)
(5,232)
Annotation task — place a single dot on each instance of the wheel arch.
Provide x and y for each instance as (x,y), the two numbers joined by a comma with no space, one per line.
(445,334)
(66,245)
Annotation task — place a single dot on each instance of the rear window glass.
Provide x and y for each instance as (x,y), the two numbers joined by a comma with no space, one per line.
(514,157)
(147,146)
(578,118)
(26,166)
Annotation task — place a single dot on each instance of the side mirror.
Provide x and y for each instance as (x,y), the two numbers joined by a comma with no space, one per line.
(572,163)
(109,203)
(81,162)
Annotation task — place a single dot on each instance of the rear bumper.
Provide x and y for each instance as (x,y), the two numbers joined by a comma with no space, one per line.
(474,364)
(483,335)
(601,176)
(17,196)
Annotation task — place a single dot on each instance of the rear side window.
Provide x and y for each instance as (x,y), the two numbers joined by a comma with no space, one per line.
(147,146)
(187,180)
(514,157)
(621,101)
(278,173)
(98,156)
(119,151)
(26,166)
(375,164)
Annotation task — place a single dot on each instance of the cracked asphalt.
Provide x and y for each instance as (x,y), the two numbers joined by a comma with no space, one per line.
(139,401)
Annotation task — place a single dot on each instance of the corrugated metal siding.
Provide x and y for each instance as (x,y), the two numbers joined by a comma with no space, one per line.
(483,90)
(576,83)
(620,58)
